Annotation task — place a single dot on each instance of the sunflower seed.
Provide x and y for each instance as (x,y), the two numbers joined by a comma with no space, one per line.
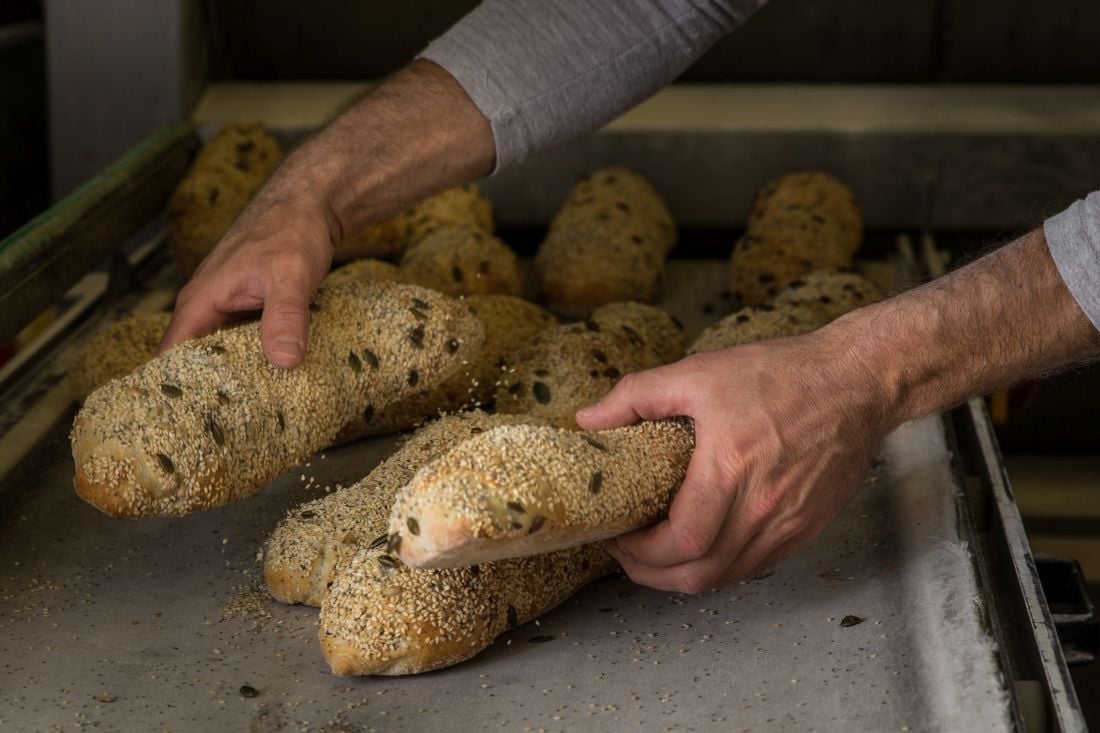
(516,507)
(371,358)
(171,390)
(379,541)
(593,442)
(536,524)
(215,431)
(166,463)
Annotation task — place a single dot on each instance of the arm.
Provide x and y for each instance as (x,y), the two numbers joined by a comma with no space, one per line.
(786,429)
(513,77)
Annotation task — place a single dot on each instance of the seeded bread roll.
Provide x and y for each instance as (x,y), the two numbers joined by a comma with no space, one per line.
(464,204)
(116,351)
(314,542)
(364,271)
(462,260)
(807,304)
(384,618)
(228,171)
(523,490)
(799,223)
(210,421)
(608,243)
(565,368)
(830,294)
(381,617)
(509,323)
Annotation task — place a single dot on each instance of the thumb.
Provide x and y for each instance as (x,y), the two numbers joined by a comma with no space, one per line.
(284,326)
(649,395)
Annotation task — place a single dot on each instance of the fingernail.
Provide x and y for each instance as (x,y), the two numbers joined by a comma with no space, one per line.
(288,350)
(587,409)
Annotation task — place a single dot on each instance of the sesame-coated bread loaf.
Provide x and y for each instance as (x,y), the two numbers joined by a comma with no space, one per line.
(524,490)
(800,222)
(459,259)
(382,617)
(116,351)
(509,323)
(608,243)
(228,171)
(464,204)
(806,305)
(211,421)
(124,346)
(313,543)
(565,368)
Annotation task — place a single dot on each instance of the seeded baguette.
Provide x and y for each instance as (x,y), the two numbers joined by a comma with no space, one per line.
(314,542)
(565,368)
(210,421)
(524,490)
(382,617)
(608,243)
(228,171)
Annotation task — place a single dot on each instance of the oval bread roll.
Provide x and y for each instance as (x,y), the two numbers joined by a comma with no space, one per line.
(116,351)
(523,490)
(800,222)
(314,542)
(806,305)
(509,322)
(608,243)
(462,260)
(210,421)
(464,205)
(565,368)
(382,617)
(225,176)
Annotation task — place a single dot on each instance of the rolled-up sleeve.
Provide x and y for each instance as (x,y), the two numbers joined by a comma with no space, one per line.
(1073,237)
(545,71)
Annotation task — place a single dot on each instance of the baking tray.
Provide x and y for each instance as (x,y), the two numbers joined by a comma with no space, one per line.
(163,624)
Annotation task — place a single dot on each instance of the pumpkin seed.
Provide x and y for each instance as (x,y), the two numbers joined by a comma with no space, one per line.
(516,507)
(356,365)
(387,562)
(542,392)
(166,463)
(215,431)
(248,691)
(596,482)
(394,542)
(413,525)
(171,390)
(850,621)
(371,358)
(536,524)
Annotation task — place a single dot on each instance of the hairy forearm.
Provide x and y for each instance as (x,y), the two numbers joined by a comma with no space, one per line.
(414,135)
(1001,319)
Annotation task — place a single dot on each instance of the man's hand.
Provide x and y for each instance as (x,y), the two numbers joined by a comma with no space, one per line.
(272,259)
(785,431)
(414,135)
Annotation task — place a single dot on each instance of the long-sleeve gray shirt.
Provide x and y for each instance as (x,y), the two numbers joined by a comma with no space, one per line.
(546,71)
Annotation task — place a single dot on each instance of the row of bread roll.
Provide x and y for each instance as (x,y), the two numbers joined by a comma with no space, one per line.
(607,243)
(567,367)
(519,490)
(228,171)
(313,543)
(799,223)
(211,421)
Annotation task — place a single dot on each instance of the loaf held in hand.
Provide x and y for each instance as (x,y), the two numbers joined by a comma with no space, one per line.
(800,222)
(524,490)
(313,543)
(210,421)
(608,243)
(382,617)
(225,176)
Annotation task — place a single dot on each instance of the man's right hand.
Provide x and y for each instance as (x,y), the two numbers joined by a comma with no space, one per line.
(272,259)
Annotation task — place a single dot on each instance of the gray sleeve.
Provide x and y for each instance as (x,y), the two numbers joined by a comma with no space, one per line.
(545,71)
(1074,241)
